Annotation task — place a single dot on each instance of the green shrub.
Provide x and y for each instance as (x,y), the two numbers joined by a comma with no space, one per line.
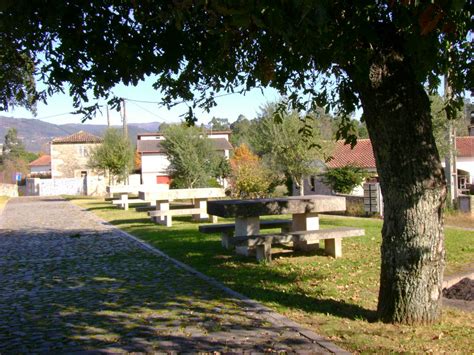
(345,179)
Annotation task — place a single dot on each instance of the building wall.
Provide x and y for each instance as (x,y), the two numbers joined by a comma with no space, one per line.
(314,185)
(69,160)
(153,165)
(466,164)
(156,164)
(40,169)
(151,138)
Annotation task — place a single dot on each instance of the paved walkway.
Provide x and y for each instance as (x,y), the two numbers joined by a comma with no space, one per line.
(70,283)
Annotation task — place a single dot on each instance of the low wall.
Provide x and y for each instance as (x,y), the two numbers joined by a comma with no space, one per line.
(54,187)
(10,190)
(466,203)
(92,186)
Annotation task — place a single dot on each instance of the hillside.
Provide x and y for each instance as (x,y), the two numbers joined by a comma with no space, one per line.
(36,134)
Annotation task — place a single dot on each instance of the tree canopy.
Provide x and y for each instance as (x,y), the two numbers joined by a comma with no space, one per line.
(193,159)
(218,46)
(219,124)
(335,54)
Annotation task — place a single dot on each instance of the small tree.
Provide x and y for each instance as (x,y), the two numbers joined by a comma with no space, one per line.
(249,178)
(241,129)
(114,155)
(286,148)
(137,160)
(345,179)
(193,160)
(441,123)
(13,146)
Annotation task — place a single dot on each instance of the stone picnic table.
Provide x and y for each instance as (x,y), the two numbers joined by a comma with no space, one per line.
(305,233)
(162,199)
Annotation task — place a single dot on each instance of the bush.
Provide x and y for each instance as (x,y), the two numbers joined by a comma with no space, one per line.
(249,178)
(344,179)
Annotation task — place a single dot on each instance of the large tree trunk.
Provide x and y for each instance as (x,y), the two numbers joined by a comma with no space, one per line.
(397,112)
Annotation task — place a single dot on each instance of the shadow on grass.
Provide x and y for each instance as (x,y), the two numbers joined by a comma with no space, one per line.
(243,274)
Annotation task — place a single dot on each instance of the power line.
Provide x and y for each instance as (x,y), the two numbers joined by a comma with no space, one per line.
(144,109)
(178,102)
(56,115)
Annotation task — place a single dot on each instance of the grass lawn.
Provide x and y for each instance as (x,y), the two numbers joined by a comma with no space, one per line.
(3,202)
(460,219)
(333,297)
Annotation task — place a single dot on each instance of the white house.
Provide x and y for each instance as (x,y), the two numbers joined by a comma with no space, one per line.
(465,160)
(153,157)
(40,166)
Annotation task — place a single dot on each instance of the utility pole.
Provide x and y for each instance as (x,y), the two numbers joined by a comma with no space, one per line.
(125,128)
(450,168)
(108,116)
(124,119)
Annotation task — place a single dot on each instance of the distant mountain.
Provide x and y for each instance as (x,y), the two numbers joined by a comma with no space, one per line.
(36,134)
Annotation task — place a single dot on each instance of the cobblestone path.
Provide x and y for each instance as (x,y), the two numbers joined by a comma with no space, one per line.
(70,283)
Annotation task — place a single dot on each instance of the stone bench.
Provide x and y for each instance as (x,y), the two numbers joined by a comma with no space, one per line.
(124,202)
(153,208)
(305,240)
(165,216)
(227,229)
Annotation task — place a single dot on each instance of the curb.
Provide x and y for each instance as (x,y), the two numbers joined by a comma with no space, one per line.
(259,308)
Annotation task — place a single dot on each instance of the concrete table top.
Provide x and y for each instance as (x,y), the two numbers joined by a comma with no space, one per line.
(276,206)
(181,194)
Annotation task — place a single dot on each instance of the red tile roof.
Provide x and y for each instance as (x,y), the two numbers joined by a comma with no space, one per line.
(78,137)
(362,155)
(465,146)
(41,161)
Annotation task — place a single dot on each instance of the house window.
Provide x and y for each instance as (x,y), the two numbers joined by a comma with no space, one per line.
(83,151)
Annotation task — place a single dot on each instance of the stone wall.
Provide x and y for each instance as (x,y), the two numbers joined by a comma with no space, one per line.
(10,190)
(54,187)
(95,185)
(91,186)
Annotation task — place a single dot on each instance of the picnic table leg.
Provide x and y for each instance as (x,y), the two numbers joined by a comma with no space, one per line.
(264,252)
(163,205)
(305,222)
(333,247)
(124,199)
(225,239)
(201,203)
(245,227)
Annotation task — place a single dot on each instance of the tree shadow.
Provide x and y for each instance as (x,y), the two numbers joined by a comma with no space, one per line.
(207,255)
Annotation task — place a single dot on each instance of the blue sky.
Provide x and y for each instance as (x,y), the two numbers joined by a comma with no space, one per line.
(230,107)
